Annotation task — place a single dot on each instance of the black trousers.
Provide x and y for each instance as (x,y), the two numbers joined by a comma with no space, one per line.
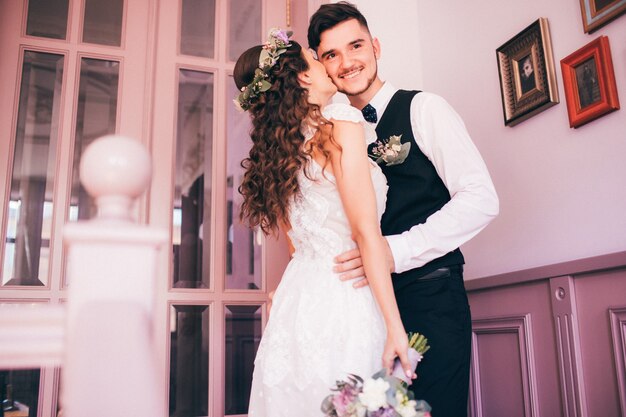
(438,308)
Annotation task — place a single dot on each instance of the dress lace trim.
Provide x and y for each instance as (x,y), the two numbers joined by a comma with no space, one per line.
(342,111)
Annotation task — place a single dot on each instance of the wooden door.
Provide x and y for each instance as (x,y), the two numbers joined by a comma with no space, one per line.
(159,71)
(70,71)
(217,277)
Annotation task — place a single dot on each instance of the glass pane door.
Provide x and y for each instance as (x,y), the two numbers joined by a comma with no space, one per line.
(96,116)
(216,264)
(160,72)
(73,71)
(47,18)
(30,203)
(243,246)
(192,189)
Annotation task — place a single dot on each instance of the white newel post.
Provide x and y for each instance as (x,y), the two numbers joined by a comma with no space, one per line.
(110,366)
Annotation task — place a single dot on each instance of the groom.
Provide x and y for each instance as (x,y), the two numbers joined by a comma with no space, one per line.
(439,197)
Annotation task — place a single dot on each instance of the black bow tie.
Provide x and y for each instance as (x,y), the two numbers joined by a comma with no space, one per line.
(369,113)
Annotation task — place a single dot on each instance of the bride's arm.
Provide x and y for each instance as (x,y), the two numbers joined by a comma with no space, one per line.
(284,227)
(351,169)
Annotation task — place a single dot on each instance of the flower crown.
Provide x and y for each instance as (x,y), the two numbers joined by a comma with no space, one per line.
(276,44)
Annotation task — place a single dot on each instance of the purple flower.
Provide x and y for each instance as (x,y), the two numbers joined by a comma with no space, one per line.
(344,400)
(384,412)
(280,35)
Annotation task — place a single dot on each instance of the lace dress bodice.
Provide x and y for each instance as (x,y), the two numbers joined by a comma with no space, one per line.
(319,226)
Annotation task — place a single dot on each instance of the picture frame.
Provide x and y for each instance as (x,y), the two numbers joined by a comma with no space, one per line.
(589,82)
(527,73)
(597,13)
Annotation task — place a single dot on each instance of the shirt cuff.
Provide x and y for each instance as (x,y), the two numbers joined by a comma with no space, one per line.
(401,252)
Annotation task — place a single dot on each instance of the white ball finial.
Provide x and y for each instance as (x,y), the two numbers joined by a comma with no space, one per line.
(115,170)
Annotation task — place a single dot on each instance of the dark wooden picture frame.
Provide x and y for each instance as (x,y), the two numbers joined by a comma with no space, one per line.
(527,74)
(597,13)
(589,81)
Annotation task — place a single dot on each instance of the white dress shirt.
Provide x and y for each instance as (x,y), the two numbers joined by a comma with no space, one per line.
(441,135)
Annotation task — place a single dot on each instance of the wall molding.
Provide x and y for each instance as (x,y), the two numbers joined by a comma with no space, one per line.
(567,334)
(521,327)
(576,267)
(618,335)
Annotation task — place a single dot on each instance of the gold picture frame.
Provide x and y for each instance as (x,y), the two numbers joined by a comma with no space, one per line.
(527,73)
(597,13)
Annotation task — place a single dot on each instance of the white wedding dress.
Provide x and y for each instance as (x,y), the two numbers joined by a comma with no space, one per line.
(320,328)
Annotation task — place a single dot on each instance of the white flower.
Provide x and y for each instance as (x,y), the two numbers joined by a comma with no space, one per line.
(396,147)
(400,397)
(374,395)
(407,409)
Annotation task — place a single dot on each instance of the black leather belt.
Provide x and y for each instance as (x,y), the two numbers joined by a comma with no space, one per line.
(437,273)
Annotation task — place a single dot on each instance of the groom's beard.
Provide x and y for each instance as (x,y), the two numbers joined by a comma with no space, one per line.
(370,81)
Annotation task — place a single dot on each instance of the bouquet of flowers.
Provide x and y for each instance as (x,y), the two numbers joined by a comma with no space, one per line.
(382,395)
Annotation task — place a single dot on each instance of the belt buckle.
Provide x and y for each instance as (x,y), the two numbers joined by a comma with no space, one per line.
(437,273)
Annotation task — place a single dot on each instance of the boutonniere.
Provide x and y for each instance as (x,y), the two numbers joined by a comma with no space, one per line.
(390,151)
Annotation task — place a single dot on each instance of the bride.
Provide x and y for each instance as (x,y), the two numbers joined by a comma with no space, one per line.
(308,174)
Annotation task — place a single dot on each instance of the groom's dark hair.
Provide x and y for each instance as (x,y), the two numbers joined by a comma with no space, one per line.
(329,16)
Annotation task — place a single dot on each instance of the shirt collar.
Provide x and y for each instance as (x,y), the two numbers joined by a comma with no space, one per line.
(382,98)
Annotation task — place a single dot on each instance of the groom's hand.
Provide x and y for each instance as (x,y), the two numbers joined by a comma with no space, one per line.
(350,265)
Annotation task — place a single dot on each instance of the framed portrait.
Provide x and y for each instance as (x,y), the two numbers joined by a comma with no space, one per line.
(589,81)
(597,13)
(527,74)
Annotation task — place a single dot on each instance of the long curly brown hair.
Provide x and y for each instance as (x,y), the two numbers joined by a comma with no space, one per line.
(277,155)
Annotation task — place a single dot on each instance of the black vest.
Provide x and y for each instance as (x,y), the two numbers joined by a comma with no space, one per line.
(415,189)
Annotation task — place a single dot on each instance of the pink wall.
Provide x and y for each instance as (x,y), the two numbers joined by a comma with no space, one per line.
(562,190)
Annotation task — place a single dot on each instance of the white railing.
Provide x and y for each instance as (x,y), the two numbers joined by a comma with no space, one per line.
(103,337)
(31,336)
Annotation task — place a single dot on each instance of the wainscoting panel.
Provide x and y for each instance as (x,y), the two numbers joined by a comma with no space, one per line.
(534,392)
(503,371)
(601,296)
(550,341)
(618,333)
